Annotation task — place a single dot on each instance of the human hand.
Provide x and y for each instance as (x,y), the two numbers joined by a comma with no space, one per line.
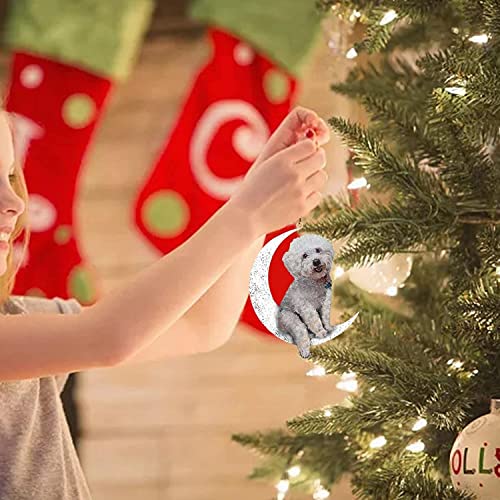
(292,129)
(283,188)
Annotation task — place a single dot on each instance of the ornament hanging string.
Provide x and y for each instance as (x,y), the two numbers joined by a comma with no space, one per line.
(305,132)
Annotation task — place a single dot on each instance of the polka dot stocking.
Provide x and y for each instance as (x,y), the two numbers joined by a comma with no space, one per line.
(55,108)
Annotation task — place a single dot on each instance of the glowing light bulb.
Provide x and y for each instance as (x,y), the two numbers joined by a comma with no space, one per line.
(357,183)
(388,17)
(392,291)
(317,371)
(320,493)
(416,447)
(347,382)
(479,38)
(419,424)
(378,442)
(354,15)
(282,486)
(351,53)
(327,413)
(280,496)
(339,271)
(456,90)
(294,471)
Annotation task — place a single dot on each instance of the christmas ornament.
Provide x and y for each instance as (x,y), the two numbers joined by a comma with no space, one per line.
(303,316)
(385,276)
(475,456)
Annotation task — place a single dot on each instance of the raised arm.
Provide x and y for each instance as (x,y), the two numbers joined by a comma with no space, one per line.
(275,193)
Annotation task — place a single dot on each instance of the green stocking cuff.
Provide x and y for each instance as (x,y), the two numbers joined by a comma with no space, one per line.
(102,36)
(285,30)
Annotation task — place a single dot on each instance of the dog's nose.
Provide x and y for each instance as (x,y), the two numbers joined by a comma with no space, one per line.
(316,262)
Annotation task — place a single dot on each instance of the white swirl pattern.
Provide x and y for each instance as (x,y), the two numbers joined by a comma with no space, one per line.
(247,141)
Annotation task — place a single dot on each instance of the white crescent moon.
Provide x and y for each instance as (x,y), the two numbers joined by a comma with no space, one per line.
(262,300)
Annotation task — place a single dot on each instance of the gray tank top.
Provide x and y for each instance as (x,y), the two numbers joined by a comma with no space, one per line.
(37,455)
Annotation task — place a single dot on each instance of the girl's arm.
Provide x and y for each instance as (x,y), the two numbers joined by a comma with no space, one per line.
(274,193)
(217,313)
(210,322)
(122,322)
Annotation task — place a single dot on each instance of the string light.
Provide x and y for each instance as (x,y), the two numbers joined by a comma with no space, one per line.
(378,442)
(283,485)
(416,447)
(320,493)
(355,14)
(455,364)
(388,17)
(294,471)
(351,53)
(348,382)
(392,291)
(419,424)
(479,38)
(317,371)
(456,90)
(338,272)
(327,413)
(357,183)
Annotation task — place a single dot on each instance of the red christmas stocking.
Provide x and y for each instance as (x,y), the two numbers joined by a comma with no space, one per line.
(235,103)
(56,108)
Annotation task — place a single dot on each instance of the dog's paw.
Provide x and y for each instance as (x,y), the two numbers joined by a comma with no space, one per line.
(322,334)
(305,353)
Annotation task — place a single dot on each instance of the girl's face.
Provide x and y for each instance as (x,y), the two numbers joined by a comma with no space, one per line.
(11,205)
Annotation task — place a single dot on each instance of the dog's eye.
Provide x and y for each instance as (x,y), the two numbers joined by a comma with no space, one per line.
(304,256)
(318,250)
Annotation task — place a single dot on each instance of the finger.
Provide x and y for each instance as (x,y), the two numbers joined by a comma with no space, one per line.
(312,201)
(297,152)
(316,181)
(310,165)
(285,134)
(322,132)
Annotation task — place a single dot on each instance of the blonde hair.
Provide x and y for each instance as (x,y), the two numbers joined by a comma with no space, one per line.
(7,280)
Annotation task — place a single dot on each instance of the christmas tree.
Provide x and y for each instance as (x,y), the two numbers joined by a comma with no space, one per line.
(427,361)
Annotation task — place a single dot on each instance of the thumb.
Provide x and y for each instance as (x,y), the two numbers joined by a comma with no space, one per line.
(287,133)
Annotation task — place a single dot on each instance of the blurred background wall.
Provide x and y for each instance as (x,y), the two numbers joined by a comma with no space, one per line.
(161,430)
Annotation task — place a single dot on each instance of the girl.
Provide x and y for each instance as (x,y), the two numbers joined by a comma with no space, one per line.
(39,347)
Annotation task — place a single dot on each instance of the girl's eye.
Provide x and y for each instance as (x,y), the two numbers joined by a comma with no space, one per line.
(304,256)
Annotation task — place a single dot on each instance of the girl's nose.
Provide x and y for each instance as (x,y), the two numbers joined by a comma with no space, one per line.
(11,202)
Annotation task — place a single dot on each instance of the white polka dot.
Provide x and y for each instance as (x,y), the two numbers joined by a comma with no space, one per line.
(32,76)
(243,54)
(42,213)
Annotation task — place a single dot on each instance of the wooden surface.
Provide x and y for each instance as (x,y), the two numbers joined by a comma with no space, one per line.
(162,430)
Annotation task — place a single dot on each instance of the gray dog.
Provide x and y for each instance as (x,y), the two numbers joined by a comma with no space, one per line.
(304,311)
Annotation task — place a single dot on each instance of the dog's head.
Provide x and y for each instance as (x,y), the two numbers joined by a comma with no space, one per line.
(309,256)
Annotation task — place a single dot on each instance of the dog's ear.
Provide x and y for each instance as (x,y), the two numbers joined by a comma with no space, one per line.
(288,258)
